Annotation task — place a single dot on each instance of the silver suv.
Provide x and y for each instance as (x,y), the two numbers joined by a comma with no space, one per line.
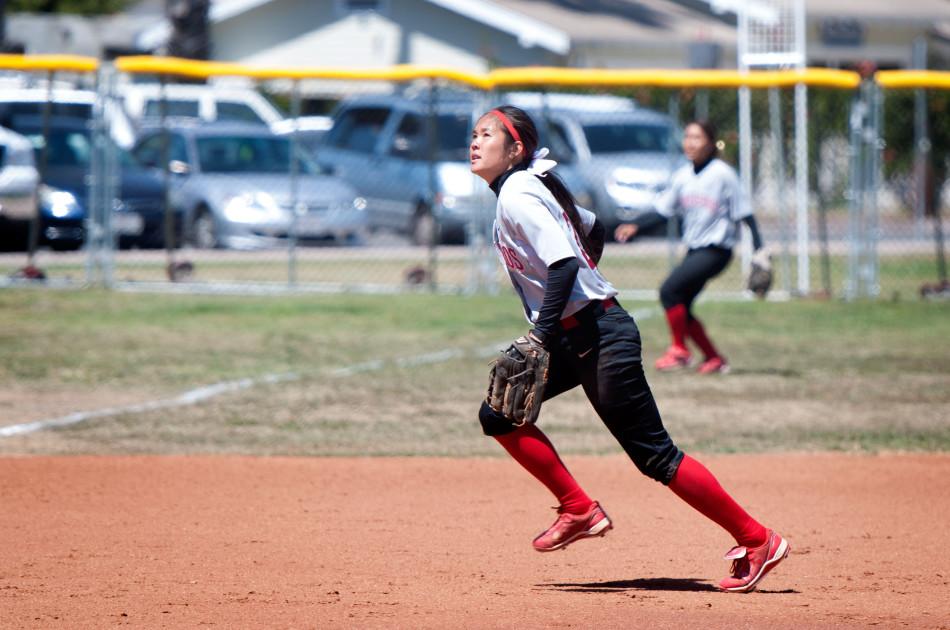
(624,155)
(380,144)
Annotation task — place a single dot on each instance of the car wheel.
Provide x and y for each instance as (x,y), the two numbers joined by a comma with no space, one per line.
(204,233)
(422,228)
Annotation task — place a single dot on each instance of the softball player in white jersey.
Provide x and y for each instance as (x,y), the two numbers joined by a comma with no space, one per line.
(705,193)
(551,248)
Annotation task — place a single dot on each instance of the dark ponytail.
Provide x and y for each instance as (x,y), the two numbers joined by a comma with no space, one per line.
(526,128)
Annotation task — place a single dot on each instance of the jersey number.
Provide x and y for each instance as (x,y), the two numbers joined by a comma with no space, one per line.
(511,258)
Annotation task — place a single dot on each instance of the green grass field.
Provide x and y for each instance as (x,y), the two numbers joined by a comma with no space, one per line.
(808,375)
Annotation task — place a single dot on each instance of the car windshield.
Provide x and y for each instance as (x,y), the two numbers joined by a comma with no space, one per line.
(68,147)
(173,108)
(626,137)
(248,154)
(453,132)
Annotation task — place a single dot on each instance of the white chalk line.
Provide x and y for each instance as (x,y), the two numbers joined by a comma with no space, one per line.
(207,392)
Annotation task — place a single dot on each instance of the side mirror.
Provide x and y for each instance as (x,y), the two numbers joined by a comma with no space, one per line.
(402,146)
(178,167)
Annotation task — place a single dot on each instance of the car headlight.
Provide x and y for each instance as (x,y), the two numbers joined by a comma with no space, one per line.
(633,185)
(359,203)
(258,207)
(456,180)
(61,203)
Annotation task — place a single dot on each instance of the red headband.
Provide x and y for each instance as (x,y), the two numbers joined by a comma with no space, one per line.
(504,119)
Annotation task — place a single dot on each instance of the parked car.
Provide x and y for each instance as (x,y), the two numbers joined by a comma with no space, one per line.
(142,103)
(19,184)
(624,154)
(138,214)
(310,130)
(233,184)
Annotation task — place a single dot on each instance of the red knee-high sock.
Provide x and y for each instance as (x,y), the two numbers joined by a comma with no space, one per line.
(698,334)
(532,449)
(676,317)
(697,486)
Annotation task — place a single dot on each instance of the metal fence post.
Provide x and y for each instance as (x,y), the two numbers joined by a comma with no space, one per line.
(436,231)
(745,157)
(921,140)
(672,227)
(295,210)
(483,274)
(801,187)
(169,229)
(93,222)
(34,228)
(778,141)
(856,192)
(874,180)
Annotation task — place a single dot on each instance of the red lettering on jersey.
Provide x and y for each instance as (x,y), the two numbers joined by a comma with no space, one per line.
(710,204)
(511,258)
(580,246)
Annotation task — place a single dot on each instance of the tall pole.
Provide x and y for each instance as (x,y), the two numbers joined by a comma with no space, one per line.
(775,121)
(745,124)
(801,156)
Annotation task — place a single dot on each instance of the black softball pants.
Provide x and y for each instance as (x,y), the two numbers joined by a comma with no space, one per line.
(602,354)
(688,279)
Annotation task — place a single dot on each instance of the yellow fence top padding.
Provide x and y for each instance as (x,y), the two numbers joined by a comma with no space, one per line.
(821,77)
(503,77)
(913,79)
(205,69)
(49,63)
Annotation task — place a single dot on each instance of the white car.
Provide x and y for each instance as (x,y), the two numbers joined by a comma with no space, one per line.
(71,102)
(209,103)
(19,185)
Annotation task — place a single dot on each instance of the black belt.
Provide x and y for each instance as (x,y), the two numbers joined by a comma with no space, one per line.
(589,312)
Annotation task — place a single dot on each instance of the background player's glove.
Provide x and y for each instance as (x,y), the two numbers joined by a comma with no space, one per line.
(516,383)
(760,273)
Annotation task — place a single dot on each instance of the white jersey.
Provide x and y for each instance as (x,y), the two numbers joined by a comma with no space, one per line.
(708,201)
(531,232)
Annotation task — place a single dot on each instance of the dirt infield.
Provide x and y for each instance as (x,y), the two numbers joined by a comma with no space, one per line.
(242,542)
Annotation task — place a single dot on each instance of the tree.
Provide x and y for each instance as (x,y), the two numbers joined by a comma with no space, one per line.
(81,7)
(189,20)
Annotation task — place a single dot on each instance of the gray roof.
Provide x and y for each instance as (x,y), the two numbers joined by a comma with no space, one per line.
(628,21)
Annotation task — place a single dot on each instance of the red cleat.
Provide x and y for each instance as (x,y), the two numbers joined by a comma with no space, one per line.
(675,358)
(715,365)
(570,527)
(749,566)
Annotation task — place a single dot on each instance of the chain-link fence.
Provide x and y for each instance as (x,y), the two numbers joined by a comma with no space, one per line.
(179,175)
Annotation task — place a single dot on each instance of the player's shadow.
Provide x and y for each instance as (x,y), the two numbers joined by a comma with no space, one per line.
(639,584)
(642,584)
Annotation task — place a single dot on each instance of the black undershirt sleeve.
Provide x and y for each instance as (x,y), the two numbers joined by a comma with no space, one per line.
(596,237)
(561,277)
(648,220)
(754,229)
